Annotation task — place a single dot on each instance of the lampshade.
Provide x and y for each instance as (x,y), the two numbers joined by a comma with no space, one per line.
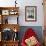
(15,30)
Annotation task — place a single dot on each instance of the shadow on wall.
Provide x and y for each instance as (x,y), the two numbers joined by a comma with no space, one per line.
(37,29)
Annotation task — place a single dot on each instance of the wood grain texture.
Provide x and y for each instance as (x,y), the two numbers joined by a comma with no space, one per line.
(11,26)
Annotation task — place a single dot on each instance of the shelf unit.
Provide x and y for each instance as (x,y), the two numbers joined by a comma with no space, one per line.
(8,11)
(5,13)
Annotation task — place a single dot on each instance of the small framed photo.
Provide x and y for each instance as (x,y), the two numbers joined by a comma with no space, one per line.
(5,12)
(30,13)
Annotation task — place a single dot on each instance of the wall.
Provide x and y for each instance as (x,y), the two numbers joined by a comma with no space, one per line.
(22,5)
(39,21)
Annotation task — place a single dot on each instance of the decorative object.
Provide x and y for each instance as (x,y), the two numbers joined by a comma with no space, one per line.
(15,3)
(31,41)
(13,12)
(15,30)
(5,12)
(30,13)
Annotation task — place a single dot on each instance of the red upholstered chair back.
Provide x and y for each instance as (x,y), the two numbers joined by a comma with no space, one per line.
(29,33)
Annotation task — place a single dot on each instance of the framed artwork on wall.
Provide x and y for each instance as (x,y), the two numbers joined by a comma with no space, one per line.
(30,13)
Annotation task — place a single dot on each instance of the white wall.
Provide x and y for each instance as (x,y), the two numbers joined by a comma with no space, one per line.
(37,3)
(22,4)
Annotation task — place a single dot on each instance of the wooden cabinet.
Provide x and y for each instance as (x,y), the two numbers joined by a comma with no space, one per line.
(7,26)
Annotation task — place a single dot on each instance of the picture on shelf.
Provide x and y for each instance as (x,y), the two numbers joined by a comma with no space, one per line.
(5,12)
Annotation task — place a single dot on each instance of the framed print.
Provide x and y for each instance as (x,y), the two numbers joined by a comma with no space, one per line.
(30,13)
(5,12)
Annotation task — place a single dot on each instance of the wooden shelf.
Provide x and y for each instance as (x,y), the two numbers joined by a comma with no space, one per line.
(4,13)
(11,26)
(10,9)
(10,43)
(3,8)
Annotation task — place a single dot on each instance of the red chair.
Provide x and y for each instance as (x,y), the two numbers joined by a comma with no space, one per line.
(29,33)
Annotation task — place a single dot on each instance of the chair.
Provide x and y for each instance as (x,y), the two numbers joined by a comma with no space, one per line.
(28,36)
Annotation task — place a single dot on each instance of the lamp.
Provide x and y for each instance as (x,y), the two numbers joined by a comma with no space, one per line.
(15,30)
(15,37)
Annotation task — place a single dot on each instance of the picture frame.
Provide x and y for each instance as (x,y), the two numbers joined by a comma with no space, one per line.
(5,12)
(30,13)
